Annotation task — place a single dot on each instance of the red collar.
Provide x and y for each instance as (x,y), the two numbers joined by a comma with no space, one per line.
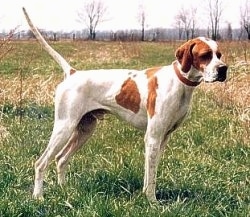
(183,79)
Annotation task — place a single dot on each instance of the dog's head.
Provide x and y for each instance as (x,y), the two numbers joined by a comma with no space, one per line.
(203,55)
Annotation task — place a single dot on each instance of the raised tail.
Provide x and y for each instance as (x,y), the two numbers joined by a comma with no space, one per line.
(67,69)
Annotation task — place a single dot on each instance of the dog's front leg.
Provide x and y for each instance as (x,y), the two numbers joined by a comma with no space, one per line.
(152,157)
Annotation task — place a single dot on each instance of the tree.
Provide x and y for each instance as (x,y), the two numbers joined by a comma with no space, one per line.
(245,18)
(142,19)
(93,13)
(229,32)
(30,34)
(5,44)
(215,10)
(193,21)
(186,21)
(183,21)
(178,24)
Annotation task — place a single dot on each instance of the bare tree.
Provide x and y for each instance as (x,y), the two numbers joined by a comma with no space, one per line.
(6,45)
(142,20)
(178,24)
(193,21)
(215,10)
(186,21)
(229,32)
(93,13)
(183,21)
(30,34)
(245,18)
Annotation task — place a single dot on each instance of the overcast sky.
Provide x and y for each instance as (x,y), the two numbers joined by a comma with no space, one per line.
(59,15)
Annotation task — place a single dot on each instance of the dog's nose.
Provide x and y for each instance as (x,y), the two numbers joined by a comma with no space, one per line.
(222,69)
(222,73)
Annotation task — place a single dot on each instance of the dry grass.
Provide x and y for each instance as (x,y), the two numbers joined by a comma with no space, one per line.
(235,92)
(3,132)
(86,53)
(36,88)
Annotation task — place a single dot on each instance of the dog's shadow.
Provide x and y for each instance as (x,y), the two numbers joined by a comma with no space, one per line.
(169,195)
(130,185)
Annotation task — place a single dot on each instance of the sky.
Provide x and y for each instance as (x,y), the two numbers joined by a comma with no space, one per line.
(61,15)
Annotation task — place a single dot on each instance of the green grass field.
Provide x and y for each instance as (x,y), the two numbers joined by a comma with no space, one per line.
(205,171)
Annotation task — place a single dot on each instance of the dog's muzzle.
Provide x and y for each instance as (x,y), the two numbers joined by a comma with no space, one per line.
(222,73)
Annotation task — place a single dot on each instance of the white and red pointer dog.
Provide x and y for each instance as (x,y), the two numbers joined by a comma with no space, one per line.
(156,100)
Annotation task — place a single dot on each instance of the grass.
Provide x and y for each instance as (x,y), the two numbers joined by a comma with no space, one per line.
(203,172)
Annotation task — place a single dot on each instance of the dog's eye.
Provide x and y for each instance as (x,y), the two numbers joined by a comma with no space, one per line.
(206,56)
(218,54)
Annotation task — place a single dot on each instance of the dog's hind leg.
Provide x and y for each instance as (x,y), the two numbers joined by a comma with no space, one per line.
(61,133)
(82,133)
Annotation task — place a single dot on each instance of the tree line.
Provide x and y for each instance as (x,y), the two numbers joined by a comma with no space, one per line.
(154,34)
(95,12)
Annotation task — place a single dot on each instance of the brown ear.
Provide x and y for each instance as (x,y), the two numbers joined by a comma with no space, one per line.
(184,55)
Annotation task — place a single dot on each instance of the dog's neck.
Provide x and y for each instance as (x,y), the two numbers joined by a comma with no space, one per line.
(190,79)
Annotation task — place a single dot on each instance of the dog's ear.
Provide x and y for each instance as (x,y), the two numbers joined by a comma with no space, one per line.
(184,55)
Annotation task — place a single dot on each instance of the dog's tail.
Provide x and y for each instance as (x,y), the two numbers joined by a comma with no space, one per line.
(67,69)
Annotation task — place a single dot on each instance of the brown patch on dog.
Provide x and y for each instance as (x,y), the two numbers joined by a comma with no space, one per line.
(151,71)
(152,86)
(202,55)
(184,55)
(72,71)
(129,96)
(194,52)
